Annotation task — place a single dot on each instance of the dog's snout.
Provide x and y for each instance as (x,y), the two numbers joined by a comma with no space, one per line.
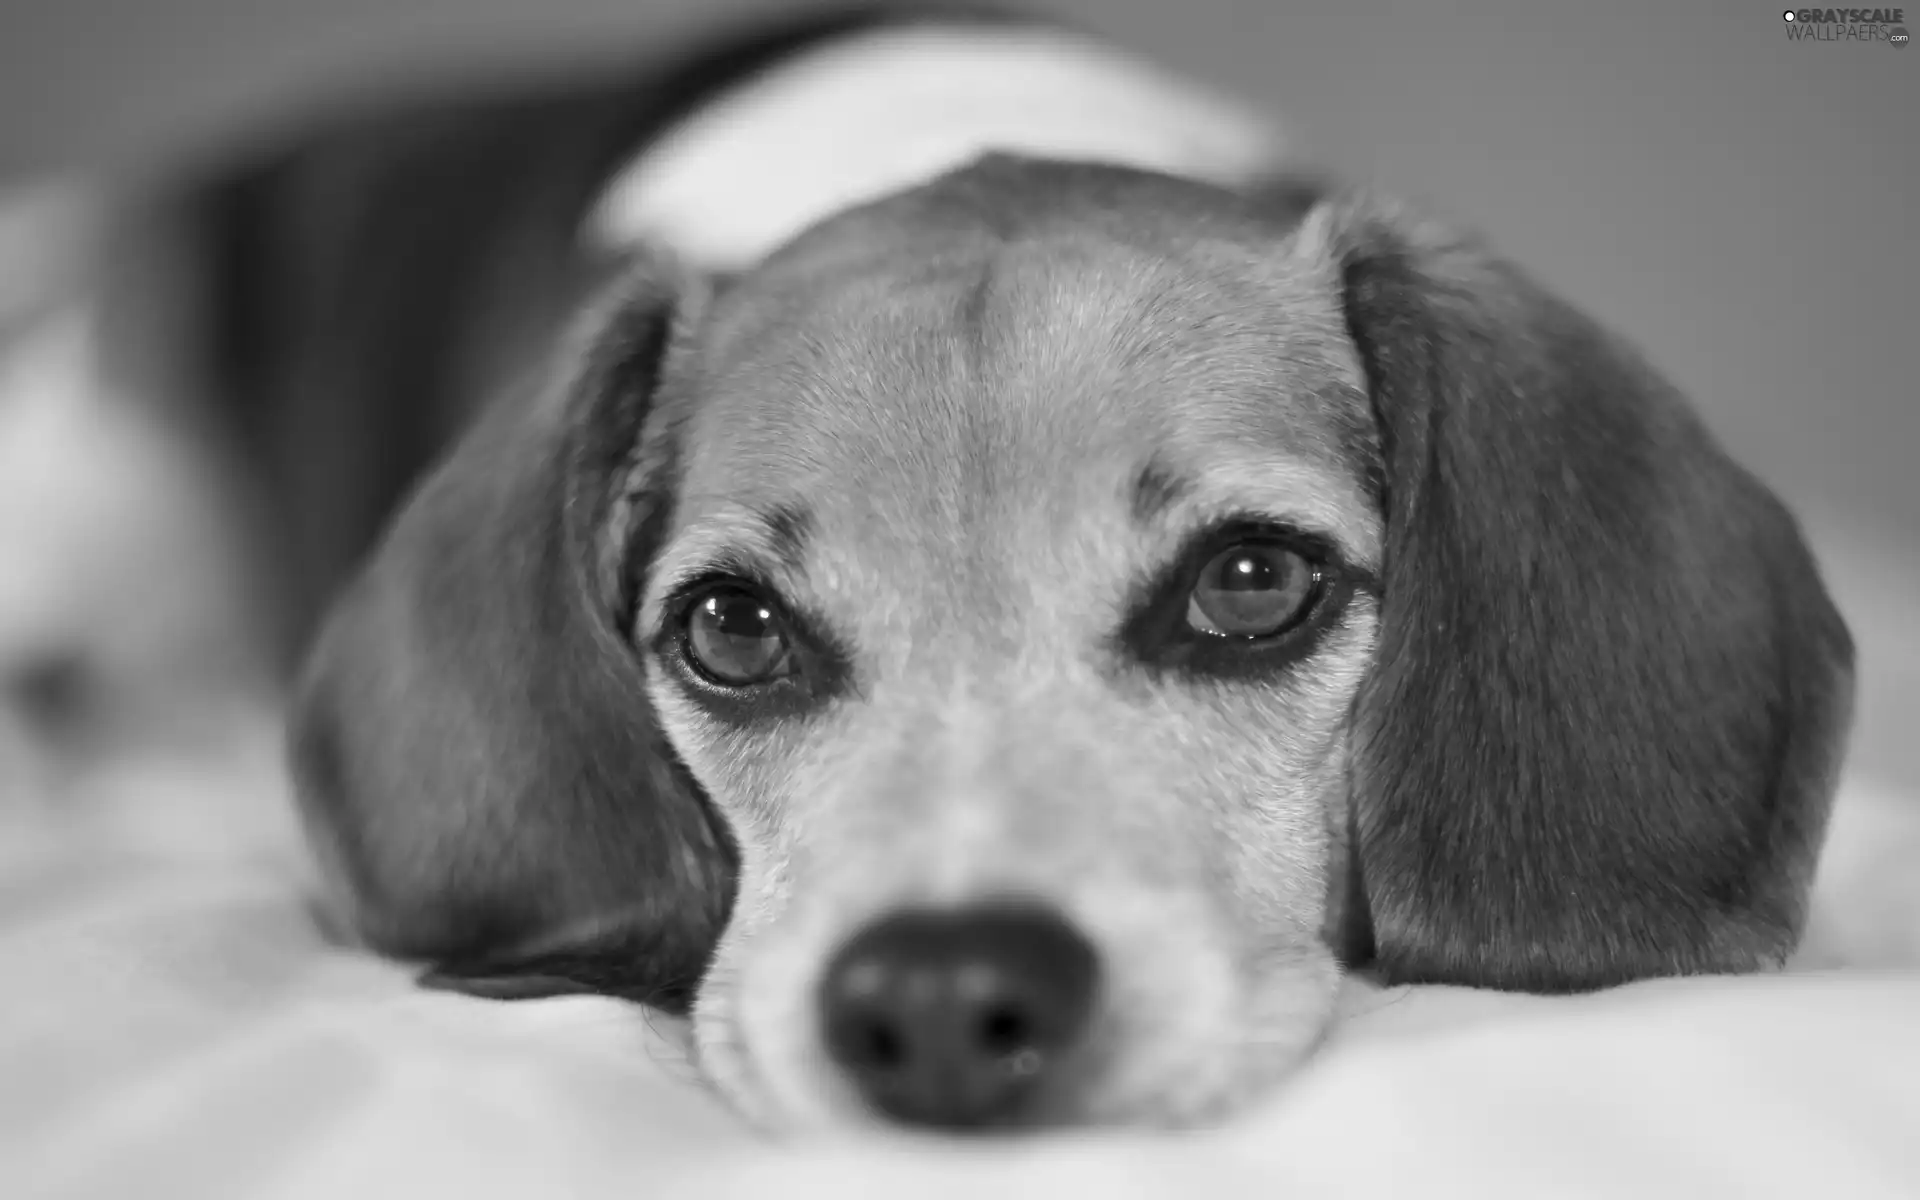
(957,1019)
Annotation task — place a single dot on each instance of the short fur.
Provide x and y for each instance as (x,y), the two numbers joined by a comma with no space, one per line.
(477,765)
(1652,764)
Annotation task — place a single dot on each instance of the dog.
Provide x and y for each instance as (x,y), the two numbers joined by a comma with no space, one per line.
(994,630)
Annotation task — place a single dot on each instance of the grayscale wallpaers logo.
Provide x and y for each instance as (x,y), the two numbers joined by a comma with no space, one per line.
(1847,25)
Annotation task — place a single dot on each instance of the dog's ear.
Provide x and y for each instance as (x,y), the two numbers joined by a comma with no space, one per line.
(1601,735)
(476,760)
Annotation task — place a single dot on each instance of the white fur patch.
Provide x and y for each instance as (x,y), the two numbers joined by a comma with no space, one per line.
(866,116)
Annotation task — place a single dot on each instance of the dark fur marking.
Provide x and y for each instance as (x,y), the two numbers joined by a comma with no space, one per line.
(788,528)
(1156,490)
(533,818)
(1609,701)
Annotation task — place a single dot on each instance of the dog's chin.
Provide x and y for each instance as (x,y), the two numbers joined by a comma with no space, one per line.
(1187,1043)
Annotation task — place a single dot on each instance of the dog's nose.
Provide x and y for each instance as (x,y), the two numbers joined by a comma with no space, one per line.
(955,1019)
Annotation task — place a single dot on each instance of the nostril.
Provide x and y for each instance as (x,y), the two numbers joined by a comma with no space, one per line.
(869,1043)
(1004,1032)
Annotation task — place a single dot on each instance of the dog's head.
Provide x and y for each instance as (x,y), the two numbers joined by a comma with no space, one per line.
(999,658)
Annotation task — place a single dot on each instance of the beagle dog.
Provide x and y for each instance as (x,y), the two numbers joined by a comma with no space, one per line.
(995,608)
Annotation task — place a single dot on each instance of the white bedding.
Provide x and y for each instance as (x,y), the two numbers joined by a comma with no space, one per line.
(171,1025)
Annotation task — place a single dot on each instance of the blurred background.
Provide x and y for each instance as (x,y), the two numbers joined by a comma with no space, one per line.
(1740,204)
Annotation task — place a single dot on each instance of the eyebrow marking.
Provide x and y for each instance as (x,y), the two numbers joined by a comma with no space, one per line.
(1155,490)
(788,528)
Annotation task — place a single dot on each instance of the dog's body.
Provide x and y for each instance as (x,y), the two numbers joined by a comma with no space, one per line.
(999,651)
(373,282)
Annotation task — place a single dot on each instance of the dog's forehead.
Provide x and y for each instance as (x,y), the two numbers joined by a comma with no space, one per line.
(936,376)
(952,331)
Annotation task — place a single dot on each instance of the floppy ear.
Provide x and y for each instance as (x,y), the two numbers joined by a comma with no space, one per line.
(1601,735)
(475,757)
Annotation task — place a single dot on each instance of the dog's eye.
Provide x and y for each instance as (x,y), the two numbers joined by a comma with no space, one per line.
(1253,590)
(735,637)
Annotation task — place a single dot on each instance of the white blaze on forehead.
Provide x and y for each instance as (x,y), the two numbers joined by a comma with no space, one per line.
(866,116)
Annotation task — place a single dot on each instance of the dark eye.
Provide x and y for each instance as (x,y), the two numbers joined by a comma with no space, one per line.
(1253,590)
(736,637)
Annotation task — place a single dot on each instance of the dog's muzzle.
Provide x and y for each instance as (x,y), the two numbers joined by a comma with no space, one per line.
(960,1018)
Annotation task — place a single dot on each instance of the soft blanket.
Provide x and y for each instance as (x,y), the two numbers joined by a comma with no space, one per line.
(173,1025)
